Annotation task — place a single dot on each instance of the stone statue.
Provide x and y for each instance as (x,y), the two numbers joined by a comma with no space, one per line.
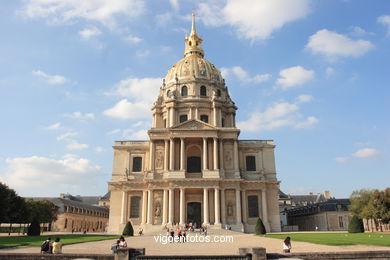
(157,210)
(159,159)
(126,173)
(230,209)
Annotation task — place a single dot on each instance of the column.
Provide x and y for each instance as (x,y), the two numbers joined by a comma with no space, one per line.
(152,151)
(223,206)
(154,123)
(206,206)
(150,207)
(238,207)
(236,169)
(264,205)
(214,115)
(215,156)
(170,207)
(144,205)
(221,153)
(216,207)
(205,153)
(169,117)
(190,115)
(182,154)
(124,207)
(165,207)
(182,206)
(171,155)
(244,207)
(166,149)
(196,113)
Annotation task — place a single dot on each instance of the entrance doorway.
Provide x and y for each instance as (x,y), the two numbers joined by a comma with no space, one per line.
(194,213)
(193,164)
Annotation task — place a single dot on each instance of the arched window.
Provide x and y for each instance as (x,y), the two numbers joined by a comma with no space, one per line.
(168,93)
(184,91)
(204,118)
(183,118)
(218,92)
(203,91)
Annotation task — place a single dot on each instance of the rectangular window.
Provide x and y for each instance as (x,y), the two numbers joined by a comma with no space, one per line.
(183,118)
(341,223)
(253,206)
(204,118)
(137,164)
(134,207)
(251,163)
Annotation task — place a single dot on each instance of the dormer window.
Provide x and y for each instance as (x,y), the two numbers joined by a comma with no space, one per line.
(203,91)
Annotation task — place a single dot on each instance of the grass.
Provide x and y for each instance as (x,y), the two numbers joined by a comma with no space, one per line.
(15,241)
(338,239)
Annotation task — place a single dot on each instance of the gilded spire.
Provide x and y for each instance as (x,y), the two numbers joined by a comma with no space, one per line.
(193,42)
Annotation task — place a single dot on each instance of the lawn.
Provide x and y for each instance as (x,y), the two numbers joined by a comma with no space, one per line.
(338,239)
(15,241)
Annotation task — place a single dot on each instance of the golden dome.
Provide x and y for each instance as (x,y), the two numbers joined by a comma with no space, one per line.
(193,66)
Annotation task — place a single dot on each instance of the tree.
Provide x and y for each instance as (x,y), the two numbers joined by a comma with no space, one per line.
(128,230)
(355,225)
(43,211)
(34,229)
(260,228)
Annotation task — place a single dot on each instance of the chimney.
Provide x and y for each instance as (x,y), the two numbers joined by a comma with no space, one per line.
(327,194)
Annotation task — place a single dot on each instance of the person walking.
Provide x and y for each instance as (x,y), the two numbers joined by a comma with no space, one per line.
(287,245)
(57,246)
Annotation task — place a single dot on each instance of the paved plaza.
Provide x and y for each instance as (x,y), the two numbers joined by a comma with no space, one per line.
(240,240)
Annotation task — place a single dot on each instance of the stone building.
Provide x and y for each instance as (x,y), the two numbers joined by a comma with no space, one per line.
(330,215)
(78,213)
(194,168)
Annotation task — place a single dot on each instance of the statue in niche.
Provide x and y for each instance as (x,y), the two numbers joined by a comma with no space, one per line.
(230,209)
(228,159)
(157,210)
(159,159)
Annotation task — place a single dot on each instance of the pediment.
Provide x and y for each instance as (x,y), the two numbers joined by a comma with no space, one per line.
(193,124)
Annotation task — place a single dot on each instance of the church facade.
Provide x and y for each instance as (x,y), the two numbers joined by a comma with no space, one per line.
(194,168)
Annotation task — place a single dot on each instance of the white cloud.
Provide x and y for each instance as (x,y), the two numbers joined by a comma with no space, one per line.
(105,12)
(358,31)
(99,149)
(385,20)
(90,32)
(333,45)
(304,98)
(254,20)
(244,76)
(366,152)
(42,176)
(135,135)
(66,135)
(280,114)
(51,79)
(329,72)
(175,5)
(79,115)
(341,159)
(126,109)
(294,76)
(142,91)
(133,39)
(74,145)
(55,126)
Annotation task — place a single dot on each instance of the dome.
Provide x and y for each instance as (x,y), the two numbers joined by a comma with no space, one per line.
(193,67)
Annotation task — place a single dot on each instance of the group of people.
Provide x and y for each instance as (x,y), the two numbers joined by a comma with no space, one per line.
(49,247)
(120,243)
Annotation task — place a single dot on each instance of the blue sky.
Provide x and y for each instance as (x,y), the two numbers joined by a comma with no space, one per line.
(311,75)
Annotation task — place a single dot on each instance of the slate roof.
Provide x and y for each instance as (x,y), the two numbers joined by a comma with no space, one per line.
(329,205)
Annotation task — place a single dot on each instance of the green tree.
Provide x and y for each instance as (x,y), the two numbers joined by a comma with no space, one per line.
(42,211)
(128,230)
(260,228)
(355,225)
(34,229)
